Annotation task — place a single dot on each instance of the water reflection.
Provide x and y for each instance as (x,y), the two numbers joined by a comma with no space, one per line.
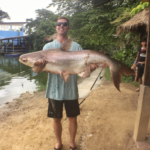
(16,78)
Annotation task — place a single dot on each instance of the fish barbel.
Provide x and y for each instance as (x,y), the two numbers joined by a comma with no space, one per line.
(64,62)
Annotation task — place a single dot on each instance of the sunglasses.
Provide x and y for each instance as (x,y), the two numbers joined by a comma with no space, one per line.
(63,23)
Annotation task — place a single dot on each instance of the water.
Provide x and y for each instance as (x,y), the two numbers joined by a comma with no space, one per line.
(16,78)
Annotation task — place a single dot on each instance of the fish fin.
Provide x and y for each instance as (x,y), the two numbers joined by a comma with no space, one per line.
(116,78)
(86,73)
(66,45)
(65,76)
(123,68)
(93,67)
(117,71)
(39,65)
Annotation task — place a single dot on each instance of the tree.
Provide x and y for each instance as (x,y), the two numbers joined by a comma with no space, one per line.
(93,28)
(41,27)
(69,7)
(3,15)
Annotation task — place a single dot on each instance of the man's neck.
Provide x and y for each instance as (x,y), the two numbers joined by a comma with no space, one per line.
(61,39)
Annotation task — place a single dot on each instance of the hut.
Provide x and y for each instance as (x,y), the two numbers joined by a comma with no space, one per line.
(138,23)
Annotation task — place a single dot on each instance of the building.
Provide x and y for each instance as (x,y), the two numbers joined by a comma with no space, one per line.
(10,29)
(12,37)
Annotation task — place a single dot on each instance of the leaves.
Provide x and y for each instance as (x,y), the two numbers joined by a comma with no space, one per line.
(3,15)
(69,7)
(139,8)
(40,28)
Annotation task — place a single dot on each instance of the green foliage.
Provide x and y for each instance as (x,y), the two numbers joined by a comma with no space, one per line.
(92,29)
(123,17)
(107,74)
(129,44)
(129,40)
(42,27)
(40,80)
(69,7)
(139,8)
(136,84)
(3,15)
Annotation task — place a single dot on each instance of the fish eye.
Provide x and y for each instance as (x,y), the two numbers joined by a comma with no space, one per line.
(24,60)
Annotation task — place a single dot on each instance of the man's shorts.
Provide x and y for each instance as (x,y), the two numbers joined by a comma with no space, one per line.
(55,108)
(140,70)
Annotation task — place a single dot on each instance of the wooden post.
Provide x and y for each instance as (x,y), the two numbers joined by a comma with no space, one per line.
(143,110)
(1,45)
(13,44)
(143,114)
(6,48)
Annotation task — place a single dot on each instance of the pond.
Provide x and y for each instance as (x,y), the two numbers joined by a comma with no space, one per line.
(16,78)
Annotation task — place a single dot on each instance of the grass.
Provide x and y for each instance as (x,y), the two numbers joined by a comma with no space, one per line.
(107,74)
(135,84)
(41,87)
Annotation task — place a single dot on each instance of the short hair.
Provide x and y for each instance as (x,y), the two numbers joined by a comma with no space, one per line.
(144,40)
(63,17)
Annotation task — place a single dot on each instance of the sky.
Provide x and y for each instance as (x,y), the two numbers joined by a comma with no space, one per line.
(19,10)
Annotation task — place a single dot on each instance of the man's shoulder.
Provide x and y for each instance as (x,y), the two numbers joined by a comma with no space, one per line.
(49,45)
(75,43)
(75,46)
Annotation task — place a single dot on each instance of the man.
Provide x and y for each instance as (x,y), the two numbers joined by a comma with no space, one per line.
(140,61)
(58,92)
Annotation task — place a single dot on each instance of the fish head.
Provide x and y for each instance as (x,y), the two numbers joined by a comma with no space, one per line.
(29,59)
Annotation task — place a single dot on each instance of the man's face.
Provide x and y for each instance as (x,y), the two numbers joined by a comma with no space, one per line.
(144,43)
(62,30)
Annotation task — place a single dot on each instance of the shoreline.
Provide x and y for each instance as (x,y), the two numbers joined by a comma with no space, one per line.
(27,92)
(24,124)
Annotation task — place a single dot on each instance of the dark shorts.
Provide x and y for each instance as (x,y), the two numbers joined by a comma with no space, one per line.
(55,108)
(140,70)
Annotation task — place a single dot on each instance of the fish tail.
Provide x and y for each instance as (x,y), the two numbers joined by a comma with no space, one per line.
(118,68)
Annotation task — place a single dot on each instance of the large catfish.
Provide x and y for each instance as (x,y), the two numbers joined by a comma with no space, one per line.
(64,62)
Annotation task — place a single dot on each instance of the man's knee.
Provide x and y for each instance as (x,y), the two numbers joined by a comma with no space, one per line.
(57,120)
(72,119)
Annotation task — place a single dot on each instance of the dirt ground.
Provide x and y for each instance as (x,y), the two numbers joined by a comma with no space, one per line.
(106,121)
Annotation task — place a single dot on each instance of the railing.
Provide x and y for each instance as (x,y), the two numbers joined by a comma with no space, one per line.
(16,49)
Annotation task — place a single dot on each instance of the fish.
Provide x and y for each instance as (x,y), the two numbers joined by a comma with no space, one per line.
(64,62)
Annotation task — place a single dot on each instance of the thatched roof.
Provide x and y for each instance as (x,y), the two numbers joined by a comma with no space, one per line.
(138,20)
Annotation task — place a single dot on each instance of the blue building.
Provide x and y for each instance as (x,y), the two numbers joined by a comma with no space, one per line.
(10,29)
(12,36)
